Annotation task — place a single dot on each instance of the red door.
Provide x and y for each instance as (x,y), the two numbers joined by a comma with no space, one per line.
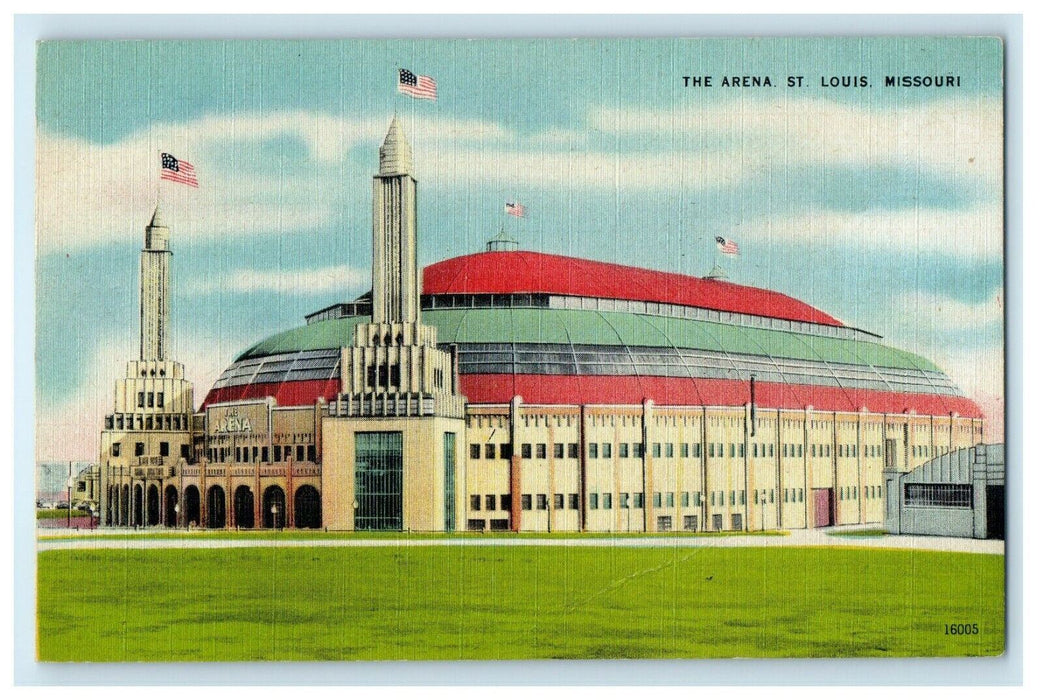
(823,503)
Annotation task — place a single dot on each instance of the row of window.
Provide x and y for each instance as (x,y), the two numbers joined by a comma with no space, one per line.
(250,454)
(139,449)
(138,421)
(150,399)
(938,495)
(666,499)
(636,450)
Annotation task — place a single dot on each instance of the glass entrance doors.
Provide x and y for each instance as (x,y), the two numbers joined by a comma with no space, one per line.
(378,481)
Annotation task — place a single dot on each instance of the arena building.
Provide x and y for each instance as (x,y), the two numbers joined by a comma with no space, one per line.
(523,391)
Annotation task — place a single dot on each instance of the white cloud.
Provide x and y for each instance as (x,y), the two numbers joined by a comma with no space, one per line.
(327,279)
(959,136)
(976,232)
(69,429)
(949,314)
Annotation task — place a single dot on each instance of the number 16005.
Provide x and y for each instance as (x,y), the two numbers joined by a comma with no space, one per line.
(970,628)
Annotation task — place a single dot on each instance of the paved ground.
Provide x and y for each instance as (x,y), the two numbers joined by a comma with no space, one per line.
(823,537)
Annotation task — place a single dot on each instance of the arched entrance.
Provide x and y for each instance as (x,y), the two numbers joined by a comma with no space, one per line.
(307,508)
(139,505)
(215,507)
(170,507)
(152,508)
(273,507)
(192,506)
(243,505)
(125,506)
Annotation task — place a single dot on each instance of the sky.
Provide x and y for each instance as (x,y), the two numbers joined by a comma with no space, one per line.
(881,205)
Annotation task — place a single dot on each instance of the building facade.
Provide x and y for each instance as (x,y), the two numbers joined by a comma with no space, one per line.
(513,390)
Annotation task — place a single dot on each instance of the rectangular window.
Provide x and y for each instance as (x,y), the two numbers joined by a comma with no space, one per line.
(541,501)
(684,450)
(253,457)
(141,399)
(491,502)
(772,495)
(607,500)
(300,453)
(684,499)
(264,454)
(721,450)
(657,500)
(505,450)
(476,502)
(669,499)
(639,499)
(756,501)
(732,498)
(527,501)
(574,501)
(559,450)
(559,501)
(474,451)
(801,450)
(278,453)
(742,449)
(159,399)
(164,449)
(623,450)
(185,451)
(541,450)
(152,399)
(593,501)
(505,501)
(697,498)
(637,450)
(786,496)
(713,498)
(625,499)
(574,450)
(592,450)
(691,523)
(938,495)
(527,451)
(491,451)
(772,450)
(607,450)
(115,449)
(668,449)
(139,449)
(656,449)
(801,495)
(697,449)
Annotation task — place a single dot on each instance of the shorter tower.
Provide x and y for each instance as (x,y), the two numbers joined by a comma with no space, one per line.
(148,435)
(392,436)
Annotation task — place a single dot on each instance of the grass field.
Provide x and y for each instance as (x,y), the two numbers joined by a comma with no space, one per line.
(493,602)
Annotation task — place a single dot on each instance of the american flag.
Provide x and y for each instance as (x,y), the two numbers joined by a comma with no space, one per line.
(726,246)
(420,86)
(177,170)
(514,208)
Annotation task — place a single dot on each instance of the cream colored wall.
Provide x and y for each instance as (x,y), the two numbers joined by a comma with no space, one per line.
(423,474)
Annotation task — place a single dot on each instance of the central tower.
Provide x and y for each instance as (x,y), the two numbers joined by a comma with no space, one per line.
(390,438)
(395,294)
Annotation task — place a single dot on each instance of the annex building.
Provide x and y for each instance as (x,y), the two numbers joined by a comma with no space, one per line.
(515,390)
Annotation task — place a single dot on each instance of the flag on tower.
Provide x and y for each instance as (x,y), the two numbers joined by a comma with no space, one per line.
(727,246)
(419,86)
(514,209)
(177,170)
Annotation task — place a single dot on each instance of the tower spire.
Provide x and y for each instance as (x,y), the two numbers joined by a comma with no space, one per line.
(154,292)
(396,296)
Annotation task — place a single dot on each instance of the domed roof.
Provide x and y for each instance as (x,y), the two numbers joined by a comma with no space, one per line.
(507,272)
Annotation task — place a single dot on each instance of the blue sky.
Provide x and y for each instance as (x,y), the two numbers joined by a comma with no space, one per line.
(880,205)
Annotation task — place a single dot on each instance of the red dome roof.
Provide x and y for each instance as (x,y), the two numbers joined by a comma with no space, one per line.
(515,272)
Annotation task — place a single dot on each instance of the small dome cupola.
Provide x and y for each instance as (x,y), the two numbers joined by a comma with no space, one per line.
(501,242)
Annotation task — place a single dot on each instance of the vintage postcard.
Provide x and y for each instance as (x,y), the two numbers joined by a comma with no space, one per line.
(520,349)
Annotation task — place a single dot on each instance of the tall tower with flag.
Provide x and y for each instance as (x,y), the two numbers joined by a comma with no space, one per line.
(391,439)
(147,437)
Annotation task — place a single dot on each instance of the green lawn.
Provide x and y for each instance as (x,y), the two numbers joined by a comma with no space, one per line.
(488,602)
(51,513)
